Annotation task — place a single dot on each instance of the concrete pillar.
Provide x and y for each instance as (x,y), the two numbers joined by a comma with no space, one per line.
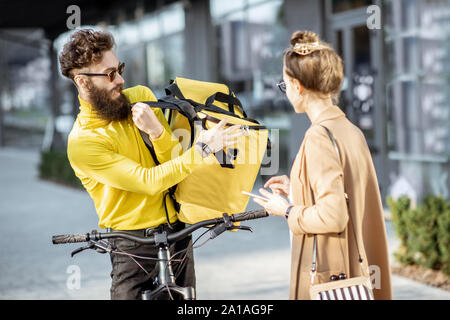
(200,42)
(301,15)
(304,15)
(380,158)
(3,83)
(57,141)
(76,102)
(2,137)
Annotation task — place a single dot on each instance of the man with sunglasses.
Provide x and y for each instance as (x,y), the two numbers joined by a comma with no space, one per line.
(109,156)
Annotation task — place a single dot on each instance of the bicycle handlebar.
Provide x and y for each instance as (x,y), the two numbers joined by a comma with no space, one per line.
(249,215)
(74,238)
(70,238)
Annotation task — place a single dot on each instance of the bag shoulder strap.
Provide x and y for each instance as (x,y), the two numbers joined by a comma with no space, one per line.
(171,191)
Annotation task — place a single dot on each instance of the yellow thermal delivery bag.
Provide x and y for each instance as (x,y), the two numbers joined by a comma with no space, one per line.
(216,187)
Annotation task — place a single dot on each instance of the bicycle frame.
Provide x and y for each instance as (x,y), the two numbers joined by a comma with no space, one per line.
(165,280)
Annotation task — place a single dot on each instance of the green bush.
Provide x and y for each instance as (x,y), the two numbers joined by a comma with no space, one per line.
(55,166)
(401,215)
(424,232)
(444,238)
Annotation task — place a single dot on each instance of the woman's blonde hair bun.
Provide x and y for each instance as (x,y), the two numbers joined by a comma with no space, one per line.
(306,42)
(303,37)
(314,63)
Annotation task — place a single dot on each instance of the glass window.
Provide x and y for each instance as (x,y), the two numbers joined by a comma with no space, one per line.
(220,8)
(251,41)
(134,58)
(265,13)
(235,16)
(128,33)
(361,36)
(155,64)
(165,60)
(252,2)
(410,61)
(252,38)
(173,57)
(172,19)
(150,28)
(165,48)
(344,5)
(339,43)
(409,14)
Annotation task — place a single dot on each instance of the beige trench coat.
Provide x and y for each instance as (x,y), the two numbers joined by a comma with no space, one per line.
(317,166)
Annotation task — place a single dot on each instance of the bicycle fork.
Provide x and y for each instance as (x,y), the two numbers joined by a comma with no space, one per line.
(166,279)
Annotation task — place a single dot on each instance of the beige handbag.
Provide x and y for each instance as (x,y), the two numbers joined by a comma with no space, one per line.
(358,288)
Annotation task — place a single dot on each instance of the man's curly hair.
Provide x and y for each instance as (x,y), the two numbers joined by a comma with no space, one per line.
(84,47)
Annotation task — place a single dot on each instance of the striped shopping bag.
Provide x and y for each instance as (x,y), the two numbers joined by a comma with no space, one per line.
(358,288)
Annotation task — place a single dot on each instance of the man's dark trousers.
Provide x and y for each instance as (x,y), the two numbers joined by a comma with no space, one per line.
(128,278)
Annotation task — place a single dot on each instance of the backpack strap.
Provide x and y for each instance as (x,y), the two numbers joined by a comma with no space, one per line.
(151,149)
(173,90)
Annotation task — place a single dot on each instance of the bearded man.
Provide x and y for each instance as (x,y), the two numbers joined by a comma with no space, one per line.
(108,155)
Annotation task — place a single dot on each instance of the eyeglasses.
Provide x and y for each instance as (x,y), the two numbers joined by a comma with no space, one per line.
(282,86)
(111,75)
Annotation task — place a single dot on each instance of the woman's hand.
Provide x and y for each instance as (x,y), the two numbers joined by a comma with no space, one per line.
(279,185)
(276,204)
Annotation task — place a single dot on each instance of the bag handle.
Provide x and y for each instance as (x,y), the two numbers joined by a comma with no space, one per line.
(173,90)
(226,98)
(347,200)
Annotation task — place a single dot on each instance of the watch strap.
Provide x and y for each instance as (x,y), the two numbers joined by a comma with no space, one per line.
(288,211)
(206,150)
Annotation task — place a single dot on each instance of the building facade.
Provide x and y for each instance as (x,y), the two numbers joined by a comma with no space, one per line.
(395,91)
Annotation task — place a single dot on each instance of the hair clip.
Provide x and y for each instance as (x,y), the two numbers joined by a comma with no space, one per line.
(306,48)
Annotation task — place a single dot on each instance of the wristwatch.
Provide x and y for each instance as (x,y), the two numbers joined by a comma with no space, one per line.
(288,210)
(206,151)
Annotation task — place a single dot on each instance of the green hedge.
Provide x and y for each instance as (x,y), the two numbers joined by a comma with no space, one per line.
(55,166)
(424,232)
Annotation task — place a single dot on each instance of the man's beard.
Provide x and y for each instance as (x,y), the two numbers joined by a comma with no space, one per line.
(106,107)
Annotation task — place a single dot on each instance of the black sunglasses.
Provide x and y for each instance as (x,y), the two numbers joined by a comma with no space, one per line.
(282,86)
(111,75)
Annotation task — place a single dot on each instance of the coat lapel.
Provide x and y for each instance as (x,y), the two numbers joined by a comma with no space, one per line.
(302,195)
(297,197)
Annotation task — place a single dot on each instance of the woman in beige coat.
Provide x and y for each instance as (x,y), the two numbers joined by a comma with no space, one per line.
(313,75)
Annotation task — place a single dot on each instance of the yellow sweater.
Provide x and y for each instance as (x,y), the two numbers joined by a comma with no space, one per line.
(117,170)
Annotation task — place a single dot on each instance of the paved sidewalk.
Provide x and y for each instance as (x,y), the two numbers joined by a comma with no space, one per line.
(237,265)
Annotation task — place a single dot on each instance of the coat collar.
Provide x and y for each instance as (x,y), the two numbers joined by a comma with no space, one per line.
(331,113)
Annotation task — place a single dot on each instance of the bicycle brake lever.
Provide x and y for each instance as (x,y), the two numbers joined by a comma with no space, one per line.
(89,246)
(245,228)
(99,246)
(102,246)
(217,230)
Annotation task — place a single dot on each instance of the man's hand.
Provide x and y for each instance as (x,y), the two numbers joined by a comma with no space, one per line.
(146,120)
(218,137)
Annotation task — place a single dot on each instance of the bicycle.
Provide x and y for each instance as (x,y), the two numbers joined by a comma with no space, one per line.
(165,281)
